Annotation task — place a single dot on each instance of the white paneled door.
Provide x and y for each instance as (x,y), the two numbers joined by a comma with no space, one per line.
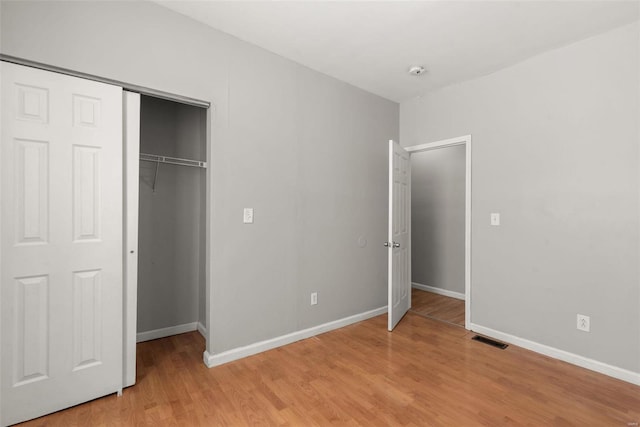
(399,241)
(61,248)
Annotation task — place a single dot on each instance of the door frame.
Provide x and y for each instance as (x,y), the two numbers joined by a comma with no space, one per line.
(451,142)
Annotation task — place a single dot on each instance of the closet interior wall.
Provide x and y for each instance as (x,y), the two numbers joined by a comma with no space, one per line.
(171,263)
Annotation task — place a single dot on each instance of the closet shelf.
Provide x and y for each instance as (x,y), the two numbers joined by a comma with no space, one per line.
(172,160)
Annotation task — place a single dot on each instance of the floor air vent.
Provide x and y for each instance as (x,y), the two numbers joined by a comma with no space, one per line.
(489,341)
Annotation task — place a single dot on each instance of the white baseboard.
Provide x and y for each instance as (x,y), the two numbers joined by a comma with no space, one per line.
(202,330)
(574,359)
(212,360)
(439,291)
(166,332)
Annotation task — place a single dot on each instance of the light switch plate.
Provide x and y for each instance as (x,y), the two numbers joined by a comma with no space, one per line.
(495,219)
(248,216)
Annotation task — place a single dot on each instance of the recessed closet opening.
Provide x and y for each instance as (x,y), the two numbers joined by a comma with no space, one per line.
(171,222)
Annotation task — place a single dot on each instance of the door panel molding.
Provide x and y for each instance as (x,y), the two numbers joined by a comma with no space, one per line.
(399,244)
(61,242)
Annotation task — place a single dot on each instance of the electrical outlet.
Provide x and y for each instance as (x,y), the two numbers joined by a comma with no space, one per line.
(584,323)
(314,298)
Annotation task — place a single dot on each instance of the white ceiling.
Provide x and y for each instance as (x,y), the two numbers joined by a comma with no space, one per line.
(372,44)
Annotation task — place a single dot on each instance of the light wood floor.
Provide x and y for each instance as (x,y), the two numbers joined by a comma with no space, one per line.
(424,373)
(438,307)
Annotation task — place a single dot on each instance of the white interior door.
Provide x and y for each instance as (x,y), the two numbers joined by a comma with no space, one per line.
(61,245)
(399,225)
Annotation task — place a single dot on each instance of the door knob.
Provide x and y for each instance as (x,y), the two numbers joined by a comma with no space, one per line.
(386,244)
(396,245)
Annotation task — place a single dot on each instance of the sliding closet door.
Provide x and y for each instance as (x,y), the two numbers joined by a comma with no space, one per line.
(61,253)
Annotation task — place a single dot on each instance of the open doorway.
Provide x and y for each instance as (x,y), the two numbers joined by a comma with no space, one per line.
(438,234)
(439,230)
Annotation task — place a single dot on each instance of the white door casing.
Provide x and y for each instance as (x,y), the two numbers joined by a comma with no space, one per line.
(61,245)
(399,280)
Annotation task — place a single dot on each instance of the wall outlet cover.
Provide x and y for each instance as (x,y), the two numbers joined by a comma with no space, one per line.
(583,323)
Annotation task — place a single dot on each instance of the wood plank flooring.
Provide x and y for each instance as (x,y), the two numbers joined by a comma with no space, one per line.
(438,307)
(425,373)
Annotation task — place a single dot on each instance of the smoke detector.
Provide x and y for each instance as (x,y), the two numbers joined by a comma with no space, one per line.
(417,70)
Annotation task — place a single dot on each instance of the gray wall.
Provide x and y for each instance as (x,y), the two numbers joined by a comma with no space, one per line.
(437,218)
(171,273)
(555,151)
(307,152)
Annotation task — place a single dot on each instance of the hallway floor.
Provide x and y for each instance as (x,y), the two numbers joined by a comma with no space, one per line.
(438,307)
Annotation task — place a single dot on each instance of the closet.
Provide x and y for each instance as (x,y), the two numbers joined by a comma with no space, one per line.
(103,233)
(171,221)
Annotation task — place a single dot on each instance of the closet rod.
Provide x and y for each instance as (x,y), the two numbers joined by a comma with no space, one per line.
(172,160)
